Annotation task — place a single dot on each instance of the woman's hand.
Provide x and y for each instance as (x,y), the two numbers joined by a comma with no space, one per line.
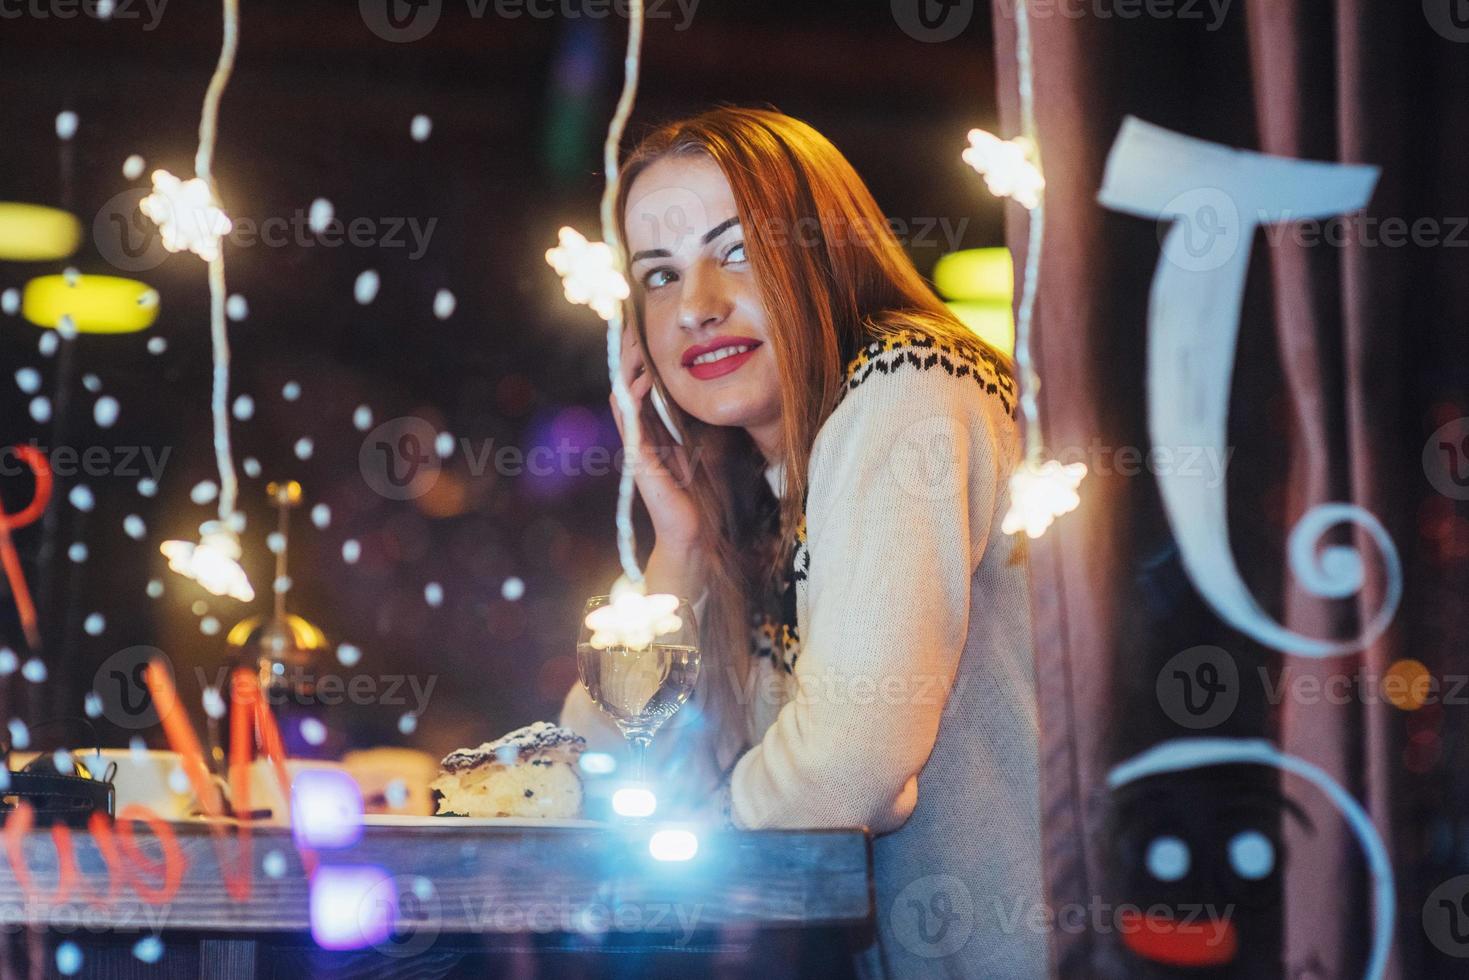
(662,476)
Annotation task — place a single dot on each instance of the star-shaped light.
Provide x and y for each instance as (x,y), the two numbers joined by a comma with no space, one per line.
(187,215)
(632,619)
(1008,166)
(1040,493)
(588,272)
(214,562)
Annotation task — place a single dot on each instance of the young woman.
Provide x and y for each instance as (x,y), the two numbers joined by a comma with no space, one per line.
(836,503)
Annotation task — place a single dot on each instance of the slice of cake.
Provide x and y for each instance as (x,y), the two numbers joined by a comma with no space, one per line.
(531,772)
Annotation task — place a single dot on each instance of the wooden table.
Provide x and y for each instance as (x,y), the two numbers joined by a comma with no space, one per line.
(439,889)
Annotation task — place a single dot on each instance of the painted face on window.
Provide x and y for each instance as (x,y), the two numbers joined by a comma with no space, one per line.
(707,329)
(1198,872)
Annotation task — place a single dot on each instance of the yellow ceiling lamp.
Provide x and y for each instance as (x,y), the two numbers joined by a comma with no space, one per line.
(979,285)
(298,633)
(90,304)
(281,641)
(34,233)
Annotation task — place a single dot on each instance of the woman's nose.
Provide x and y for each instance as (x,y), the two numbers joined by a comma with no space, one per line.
(704,301)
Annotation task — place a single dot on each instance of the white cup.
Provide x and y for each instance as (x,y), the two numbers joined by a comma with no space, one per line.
(153,778)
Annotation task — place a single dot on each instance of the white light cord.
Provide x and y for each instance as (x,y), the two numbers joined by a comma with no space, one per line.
(219,337)
(209,118)
(631,431)
(203,162)
(1029,380)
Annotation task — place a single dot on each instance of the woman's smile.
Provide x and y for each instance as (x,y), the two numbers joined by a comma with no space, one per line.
(718,357)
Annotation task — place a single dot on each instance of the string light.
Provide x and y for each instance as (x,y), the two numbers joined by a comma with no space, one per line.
(214,561)
(1040,490)
(632,619)
(589,273)
(1007,165)
(1039,493)
(188,216)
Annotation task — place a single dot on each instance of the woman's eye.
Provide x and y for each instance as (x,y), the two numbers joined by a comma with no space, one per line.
(658,277)
(736,253)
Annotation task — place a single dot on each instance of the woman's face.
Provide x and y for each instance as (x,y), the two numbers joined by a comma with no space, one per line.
(706,326)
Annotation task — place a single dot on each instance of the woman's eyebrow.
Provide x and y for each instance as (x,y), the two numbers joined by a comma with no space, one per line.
(705,239)
(719,229)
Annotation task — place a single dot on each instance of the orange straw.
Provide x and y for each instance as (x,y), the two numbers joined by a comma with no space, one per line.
(36,460)
(181,736)
(244,689)
(275,750)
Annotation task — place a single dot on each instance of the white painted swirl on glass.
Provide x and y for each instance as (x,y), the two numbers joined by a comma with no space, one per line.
(1210,200)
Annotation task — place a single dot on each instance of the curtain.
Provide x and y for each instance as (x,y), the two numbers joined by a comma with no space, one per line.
(1350,380)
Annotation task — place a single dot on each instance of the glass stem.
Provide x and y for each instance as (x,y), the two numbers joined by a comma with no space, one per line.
(640,745)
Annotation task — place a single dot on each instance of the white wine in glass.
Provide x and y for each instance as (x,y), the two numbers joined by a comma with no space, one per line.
(640,687)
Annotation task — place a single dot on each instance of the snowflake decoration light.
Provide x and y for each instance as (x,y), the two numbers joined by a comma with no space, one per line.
(1040,493)
(632,619)
(588,272)
(1008,166)
(187,214)
(214,562)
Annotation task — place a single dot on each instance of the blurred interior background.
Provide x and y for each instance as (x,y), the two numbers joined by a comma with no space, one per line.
(322,107)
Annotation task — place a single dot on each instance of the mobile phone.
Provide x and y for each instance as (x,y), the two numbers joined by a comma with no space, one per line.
(665,415)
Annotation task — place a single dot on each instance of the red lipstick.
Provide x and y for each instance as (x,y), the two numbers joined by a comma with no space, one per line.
(720,356)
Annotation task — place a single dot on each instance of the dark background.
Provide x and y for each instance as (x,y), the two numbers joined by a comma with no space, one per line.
(320,107)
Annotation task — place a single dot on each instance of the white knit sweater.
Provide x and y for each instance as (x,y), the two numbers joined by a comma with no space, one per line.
(902,699)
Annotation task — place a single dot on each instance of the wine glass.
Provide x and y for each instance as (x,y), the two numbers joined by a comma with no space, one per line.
(638,657)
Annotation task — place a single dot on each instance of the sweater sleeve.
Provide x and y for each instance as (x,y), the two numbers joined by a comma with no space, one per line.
(902,489)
